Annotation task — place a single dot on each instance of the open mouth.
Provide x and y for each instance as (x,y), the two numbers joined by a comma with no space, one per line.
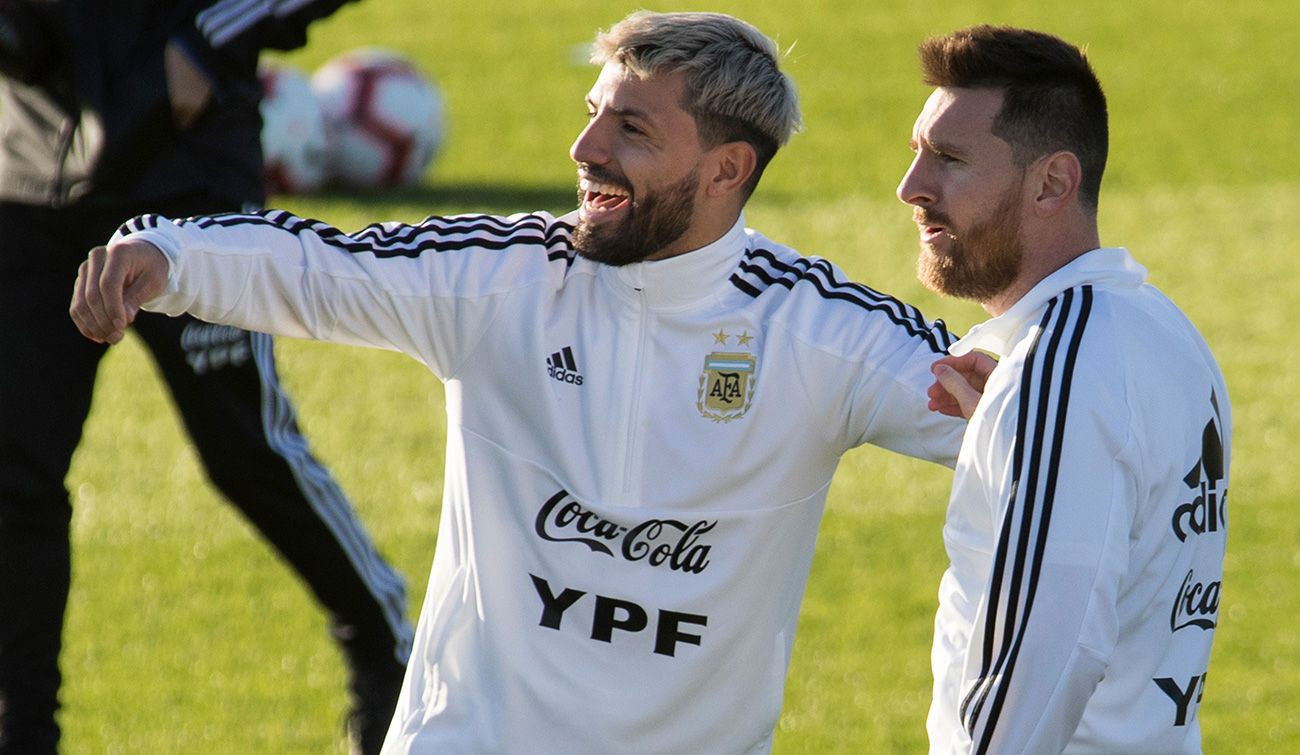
(600,198)
(930,233)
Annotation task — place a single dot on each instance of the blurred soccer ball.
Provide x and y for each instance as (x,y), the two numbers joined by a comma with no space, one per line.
(383,118)
(293,131)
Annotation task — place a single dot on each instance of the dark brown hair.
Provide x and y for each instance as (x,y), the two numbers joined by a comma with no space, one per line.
(1051,97)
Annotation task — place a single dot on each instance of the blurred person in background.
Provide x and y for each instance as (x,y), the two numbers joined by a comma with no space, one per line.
(109,110)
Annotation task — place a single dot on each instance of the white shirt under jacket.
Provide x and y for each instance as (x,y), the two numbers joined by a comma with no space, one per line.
(1087,525)
(637,457)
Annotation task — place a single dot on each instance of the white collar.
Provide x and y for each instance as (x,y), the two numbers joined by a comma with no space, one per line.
(1113,267)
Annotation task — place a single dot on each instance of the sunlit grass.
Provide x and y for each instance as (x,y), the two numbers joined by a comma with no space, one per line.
(185,634)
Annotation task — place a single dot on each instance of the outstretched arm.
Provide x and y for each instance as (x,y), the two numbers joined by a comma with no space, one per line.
(112,284)
(430,290)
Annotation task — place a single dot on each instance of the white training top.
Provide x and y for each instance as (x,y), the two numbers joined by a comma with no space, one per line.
(1086,529)
(637,457)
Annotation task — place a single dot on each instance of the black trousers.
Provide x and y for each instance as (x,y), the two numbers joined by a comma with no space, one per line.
(224,383)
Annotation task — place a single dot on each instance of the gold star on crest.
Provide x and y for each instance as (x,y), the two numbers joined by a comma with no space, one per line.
(720,336)
(744,338)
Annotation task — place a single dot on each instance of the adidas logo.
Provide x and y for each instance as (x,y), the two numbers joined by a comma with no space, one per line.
(563,367)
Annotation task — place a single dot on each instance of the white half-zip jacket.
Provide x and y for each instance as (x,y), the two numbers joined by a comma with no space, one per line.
(1087,525)
(637,457)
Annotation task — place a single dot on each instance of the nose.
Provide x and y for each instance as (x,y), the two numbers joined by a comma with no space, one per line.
(591,146)
(915,188)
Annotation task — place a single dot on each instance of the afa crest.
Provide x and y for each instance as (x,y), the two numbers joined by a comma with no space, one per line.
(726,385)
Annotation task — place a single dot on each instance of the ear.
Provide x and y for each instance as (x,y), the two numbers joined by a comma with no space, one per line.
(1058,176)
(733,164)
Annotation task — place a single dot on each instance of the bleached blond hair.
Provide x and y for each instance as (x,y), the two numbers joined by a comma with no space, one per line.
(734,89)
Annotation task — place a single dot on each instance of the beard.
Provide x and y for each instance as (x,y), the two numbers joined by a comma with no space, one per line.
(980,262)
(652,223)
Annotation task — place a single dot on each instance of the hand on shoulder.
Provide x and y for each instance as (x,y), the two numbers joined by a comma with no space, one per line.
(959,383)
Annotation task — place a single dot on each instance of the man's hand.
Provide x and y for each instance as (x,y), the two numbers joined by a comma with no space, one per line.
(112,284)
(959,383)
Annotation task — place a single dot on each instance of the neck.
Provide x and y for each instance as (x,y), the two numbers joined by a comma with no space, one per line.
(1041,259)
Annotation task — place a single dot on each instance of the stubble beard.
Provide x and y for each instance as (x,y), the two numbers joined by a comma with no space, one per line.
(653,222)
(982,262)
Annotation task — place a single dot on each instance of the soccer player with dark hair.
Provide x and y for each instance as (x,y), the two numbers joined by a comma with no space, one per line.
(1087,524)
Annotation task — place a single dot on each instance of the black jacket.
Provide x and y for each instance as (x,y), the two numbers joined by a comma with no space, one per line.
(84,113)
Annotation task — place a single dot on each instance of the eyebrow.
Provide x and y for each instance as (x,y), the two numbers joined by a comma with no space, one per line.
(626,112)
(939,145)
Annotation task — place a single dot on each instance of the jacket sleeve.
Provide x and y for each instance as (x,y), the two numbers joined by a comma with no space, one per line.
(890,405)
(879,394)
(235,31)
(430,290)
(223,40)
(1053,450)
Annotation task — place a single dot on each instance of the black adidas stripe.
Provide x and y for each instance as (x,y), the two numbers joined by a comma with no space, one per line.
(803,267)
(481,231)
(141,223)
(1035,503)
(822,275)
(454,224)
(760,269)
(224,20)
(991,625)
(745,286)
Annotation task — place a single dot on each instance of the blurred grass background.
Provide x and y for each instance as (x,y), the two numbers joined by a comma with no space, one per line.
(185,634)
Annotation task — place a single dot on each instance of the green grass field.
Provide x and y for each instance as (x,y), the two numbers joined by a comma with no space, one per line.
(185,634)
